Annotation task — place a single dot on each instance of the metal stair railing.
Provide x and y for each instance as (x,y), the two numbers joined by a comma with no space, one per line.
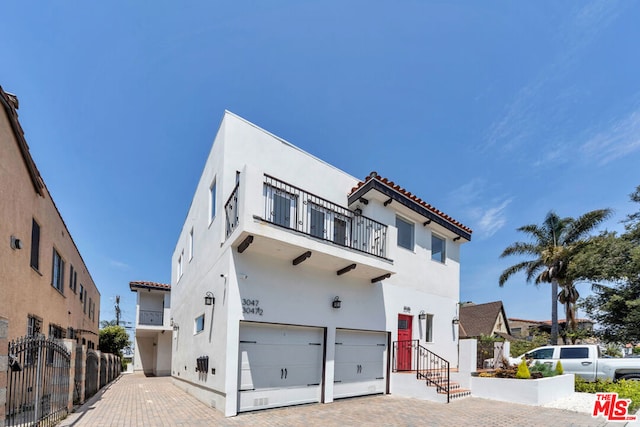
(435,370)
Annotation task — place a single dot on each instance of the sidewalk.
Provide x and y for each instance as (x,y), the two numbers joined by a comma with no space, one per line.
(135,400)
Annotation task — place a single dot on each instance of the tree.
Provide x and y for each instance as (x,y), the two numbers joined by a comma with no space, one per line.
(113,339)
(552,246)
(612,263)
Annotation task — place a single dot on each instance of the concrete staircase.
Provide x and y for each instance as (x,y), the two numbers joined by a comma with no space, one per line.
(438,380)
(406,384)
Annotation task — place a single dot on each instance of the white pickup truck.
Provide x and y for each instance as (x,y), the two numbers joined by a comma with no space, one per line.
(584,361)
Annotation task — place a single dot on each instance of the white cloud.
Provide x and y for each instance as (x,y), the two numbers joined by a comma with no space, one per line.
(493,219)
(118,264)
(619,139)
(487,215)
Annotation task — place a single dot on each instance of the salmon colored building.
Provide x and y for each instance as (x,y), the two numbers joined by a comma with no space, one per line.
(45,286)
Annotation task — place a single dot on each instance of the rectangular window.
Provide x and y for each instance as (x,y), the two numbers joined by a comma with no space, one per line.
(283,204)
(73,277)
(191,244)
(316,226)
(34,325)
(340,231)
(179,270)
(199,324)
(574,353)
(405,233)
(438,252)
(90,306)
(35,244)
(428,329)
(84,302)
(57,275)
(212,201)
(81,291)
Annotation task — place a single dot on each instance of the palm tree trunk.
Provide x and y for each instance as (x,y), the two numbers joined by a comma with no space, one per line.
(554,312)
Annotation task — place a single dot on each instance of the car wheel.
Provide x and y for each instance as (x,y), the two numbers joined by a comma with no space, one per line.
(630,377)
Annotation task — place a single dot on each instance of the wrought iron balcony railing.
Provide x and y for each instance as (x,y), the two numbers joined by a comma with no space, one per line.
(151,317)
(290,207)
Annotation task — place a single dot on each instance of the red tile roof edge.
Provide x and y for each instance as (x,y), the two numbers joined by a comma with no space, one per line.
(147,284)
(396,187)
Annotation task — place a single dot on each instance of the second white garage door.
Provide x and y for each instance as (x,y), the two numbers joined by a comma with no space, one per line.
(280,365)
(360,363)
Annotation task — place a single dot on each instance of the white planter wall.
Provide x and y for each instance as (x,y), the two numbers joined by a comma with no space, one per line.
(528,392)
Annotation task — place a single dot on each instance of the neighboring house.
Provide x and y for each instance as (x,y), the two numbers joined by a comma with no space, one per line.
(488,319)
(523,328)
(45,285)
(292,280)
(153,328)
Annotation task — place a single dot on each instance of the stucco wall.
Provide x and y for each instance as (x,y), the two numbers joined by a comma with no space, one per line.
(26,291)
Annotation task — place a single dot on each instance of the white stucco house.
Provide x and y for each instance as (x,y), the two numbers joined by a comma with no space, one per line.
(294,282)
(152,353)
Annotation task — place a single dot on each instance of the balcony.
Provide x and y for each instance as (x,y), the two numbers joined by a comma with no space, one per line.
(292,208)
(299,224)
(151,318)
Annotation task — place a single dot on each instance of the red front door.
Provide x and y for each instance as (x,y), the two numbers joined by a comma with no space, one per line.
(404,342)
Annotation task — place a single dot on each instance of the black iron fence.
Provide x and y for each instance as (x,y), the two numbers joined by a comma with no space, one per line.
(38,382)
(293,208)
(411,356)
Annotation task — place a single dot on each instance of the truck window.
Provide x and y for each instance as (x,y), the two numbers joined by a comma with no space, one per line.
(543,353)
(574,353)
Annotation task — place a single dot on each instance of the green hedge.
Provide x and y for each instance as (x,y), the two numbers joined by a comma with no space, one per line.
(626,389)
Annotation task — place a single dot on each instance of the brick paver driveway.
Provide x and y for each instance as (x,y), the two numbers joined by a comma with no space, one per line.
(135,400)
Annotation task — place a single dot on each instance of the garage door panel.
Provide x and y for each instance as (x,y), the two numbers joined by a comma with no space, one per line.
(360,362)
(279,365)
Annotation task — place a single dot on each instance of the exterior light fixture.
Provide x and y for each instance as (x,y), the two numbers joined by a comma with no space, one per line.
(455,320)
(422,315)
(209,299)
(336,302)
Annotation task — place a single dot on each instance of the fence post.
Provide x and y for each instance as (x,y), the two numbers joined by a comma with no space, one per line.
(83,372)
(4,366)
(70,345)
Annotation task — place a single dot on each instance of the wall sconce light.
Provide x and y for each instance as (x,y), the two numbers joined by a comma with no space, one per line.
(16,243)
(358,211)
(336,302)
(209,299)
(422,315)
(455,320)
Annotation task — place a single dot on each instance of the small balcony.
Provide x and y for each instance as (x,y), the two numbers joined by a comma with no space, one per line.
(151,318)
(290,222)
(292,208)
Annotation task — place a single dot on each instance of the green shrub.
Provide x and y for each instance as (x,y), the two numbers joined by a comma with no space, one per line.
(544,369)
(625,389)
(523,370)
(559,368)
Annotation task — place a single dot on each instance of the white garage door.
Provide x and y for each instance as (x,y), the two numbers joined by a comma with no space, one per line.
(360,363)
(279,365)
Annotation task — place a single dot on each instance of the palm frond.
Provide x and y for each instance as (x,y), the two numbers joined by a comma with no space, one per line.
(511,271)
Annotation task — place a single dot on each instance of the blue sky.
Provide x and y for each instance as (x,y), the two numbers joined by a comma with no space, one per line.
(494,112)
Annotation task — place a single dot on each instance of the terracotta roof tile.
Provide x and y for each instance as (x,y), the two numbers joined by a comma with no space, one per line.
(374,175)
(144,284)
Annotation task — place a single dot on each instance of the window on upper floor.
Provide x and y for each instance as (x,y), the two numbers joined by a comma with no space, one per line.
(191,244)
(198,324)
(84,302)
(438,249)
(81,291)
(179,269)
(212,200)
(283,209)
(57,274)
(35,244)
(405,233)
(73,278)
(316,221)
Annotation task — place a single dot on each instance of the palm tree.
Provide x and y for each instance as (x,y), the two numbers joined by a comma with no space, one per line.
(552,246)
